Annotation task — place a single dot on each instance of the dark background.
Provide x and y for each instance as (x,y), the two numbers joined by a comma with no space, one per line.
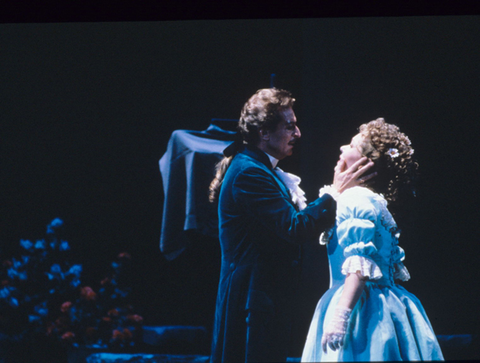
(87,109)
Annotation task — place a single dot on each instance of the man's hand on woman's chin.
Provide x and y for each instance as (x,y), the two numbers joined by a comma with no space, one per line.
(345,178)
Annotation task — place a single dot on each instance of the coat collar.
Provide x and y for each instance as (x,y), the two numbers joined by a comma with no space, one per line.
(257,154)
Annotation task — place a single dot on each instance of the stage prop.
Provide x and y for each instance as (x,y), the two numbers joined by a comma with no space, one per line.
(187,168)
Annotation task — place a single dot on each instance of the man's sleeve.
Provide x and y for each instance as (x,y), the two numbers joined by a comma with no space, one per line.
(258,194)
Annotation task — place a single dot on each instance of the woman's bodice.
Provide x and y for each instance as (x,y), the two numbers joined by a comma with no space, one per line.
(365,239)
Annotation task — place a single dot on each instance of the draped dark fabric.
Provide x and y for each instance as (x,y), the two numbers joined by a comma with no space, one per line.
(187,168)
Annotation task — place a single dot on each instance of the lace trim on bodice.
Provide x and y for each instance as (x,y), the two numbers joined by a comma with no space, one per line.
(401,272)
(397,270)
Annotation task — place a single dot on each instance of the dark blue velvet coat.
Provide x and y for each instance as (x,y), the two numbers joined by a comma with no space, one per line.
(260,233)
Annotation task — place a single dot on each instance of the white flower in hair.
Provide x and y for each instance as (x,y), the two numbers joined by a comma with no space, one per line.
(393,153)
(411,152)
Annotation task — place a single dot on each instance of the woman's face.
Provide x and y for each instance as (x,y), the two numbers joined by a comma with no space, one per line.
(351,153)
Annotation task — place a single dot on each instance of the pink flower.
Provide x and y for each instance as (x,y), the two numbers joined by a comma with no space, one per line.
(134,318)
(68,336)
(87,293)
(113,312)
(117,335)
(66,306)
(125,255)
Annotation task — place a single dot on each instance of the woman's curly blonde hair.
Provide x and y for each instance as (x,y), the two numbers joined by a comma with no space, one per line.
(392,154)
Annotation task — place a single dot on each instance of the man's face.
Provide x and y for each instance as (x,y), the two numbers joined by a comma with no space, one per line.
(280,143)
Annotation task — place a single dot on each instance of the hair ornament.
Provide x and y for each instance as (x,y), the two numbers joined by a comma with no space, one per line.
(393,153)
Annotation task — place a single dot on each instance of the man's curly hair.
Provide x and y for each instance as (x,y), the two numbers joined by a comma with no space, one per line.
(392,154)
(262,110)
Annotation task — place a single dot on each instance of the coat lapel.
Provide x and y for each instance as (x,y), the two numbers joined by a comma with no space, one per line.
(263,159)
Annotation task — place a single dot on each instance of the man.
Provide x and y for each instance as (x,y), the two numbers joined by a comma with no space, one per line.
(261,229)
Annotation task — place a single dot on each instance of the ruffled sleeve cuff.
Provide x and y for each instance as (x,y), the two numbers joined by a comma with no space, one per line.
(367,267)
(329,189)
(359,248)
(401,272)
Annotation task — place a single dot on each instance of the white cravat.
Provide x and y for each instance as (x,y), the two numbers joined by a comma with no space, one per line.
(292,182)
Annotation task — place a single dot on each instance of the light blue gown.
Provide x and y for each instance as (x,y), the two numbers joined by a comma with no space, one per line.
(388,322)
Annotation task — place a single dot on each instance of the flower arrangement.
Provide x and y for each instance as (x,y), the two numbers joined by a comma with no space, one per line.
(41,294)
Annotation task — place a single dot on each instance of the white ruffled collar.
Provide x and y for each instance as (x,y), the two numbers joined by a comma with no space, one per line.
(292,182)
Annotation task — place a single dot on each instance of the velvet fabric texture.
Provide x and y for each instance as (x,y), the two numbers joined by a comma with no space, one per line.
(261,232)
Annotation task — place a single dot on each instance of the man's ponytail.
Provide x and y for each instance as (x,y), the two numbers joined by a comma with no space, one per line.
(220,170)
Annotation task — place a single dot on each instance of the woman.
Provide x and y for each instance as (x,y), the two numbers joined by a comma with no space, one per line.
(365,315)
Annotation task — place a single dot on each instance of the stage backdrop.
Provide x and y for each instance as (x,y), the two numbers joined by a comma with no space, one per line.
(88,108)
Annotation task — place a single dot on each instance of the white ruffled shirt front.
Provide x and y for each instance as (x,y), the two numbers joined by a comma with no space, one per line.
(293,184)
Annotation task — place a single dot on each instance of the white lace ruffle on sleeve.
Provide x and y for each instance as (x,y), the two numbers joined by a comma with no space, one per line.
(329,189)
(362,264)
(356,217)
(292,182)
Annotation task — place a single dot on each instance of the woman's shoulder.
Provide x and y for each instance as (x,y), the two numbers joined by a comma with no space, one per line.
(360,200)
(358,194)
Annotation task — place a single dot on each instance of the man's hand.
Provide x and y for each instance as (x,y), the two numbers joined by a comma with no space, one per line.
(344,178)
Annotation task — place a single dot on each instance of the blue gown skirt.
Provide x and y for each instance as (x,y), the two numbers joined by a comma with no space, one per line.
(387,324)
